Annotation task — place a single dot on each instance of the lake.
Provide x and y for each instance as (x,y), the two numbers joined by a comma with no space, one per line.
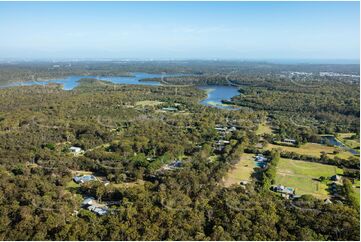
(218,93)
(215,93)
(71,82)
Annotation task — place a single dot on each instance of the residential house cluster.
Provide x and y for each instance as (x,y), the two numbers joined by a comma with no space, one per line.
(225,129)
(220,144)
(287,192)
(92,205)
(336,188)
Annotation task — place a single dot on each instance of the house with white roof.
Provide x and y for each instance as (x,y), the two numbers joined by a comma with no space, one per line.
(75,150)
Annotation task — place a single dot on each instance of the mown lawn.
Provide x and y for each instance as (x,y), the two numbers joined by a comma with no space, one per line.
(302,176)
(312,149)
(72,184)
(264,128)
(242,171)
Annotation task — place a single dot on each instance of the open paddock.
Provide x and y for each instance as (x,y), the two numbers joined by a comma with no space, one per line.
(312,149)
(303,176)
(242,171)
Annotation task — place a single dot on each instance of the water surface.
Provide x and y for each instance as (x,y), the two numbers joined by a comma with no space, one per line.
(218,93)
(214,98)
(71,82)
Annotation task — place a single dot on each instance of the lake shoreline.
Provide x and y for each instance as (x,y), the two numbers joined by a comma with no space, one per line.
(217,95)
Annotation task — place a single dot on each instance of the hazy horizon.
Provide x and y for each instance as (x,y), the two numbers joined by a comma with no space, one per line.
(257,31)
(271,61)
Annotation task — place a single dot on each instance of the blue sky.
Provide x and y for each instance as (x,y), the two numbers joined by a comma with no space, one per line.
(180,30)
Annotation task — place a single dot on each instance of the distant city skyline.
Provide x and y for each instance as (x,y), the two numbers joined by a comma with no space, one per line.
(309,31)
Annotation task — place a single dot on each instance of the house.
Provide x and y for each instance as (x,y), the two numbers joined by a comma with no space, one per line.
(294,196)
(327,201)
(222,142)
(335,178)
(283,190)
(177,163)
(88,201)
(173,165)
(91,204)
(83,179)
(98,210)
(232,129)
(75,150)
(290,141)
(261,158)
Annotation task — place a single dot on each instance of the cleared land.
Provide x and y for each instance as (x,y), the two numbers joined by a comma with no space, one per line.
(312,149)
(242,171)
(346,139)
(356,186)
(303,176)
(129,184)
(71,185)
(357,190)
(264,128)
(213,103)
(148,103)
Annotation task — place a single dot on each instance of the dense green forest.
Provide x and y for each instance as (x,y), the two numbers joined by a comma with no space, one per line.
(126,142)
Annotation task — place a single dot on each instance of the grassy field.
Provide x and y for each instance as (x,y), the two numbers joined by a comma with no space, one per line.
(148,103)
(213,103)
(81,172)
(72,184)
(358,194)
(301,175)
(128,184)
(356,186)
(346,139)
(312,149)
(264,128)
(242,171)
